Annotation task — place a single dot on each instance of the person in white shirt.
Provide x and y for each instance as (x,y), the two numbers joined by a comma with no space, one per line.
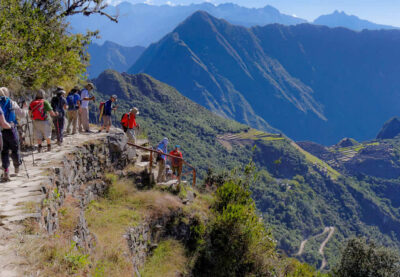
(83,121)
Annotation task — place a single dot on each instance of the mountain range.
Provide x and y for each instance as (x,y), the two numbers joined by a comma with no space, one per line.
(143,24)
(312,82)
(300,191)
(111,56)
(341,19)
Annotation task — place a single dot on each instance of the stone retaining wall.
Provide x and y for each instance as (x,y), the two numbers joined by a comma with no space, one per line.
(80,174)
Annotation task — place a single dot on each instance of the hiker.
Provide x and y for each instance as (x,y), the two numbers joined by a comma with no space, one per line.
(83,121)
(129,124)
(38,110)
(4,125)
(73,102)
(176,162)
(10,135)
(59,105)
(169,173)
(161,159)
(106,110)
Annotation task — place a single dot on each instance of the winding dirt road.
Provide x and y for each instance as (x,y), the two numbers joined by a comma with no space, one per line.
(330,231)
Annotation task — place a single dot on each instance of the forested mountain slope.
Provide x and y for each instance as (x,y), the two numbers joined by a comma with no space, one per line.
(311,82)
(298,194)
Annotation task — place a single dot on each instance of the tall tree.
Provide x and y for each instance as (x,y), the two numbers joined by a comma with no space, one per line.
(36,49)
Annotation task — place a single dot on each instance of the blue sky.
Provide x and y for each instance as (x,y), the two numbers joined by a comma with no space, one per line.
(378,11)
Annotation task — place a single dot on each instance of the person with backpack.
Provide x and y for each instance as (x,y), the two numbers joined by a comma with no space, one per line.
(4,125)
(59,105)
(161,160)
(106,110)
(83,121)
(39,110)
(129,125)
(177,163)
(73,102)
(10,136)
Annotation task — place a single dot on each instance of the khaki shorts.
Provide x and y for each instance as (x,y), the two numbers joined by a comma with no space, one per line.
(42,129)
(177,170)
(106,120)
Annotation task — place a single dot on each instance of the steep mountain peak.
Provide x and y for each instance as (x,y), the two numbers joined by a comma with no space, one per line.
(199,16)
(390,129)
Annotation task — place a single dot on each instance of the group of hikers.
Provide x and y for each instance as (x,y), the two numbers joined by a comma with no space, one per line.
(75,106)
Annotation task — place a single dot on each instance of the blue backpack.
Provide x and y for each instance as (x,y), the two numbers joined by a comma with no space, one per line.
(72,104)
(6,106)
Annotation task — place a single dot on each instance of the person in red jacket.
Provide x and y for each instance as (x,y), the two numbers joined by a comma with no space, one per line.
(177,163)
(129,124)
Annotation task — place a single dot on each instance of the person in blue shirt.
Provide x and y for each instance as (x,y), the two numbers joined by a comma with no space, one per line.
(107,112)
(73,102)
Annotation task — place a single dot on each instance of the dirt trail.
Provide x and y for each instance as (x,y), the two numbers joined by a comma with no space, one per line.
(330,231)
(19,196)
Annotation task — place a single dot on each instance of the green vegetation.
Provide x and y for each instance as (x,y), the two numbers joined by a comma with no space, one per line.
(297,193)
(167,259)
(367,259)
(36,48)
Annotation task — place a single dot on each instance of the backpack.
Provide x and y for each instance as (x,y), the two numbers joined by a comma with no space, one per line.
(125,121)
(57,105)
(37,108)
(72,105)
(101,109)
(6,106)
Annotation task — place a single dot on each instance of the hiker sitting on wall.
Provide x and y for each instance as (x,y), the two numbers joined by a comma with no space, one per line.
(10,136)
(161,159)
(177,163)
(38,109)
(129,124)
(83,121)
(59,104)
(73,102)
(106,110)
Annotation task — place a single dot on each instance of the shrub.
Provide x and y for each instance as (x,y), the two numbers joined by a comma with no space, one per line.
(362,259)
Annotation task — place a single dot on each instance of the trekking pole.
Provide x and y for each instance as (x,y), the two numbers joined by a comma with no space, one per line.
(26,170)
(30,140)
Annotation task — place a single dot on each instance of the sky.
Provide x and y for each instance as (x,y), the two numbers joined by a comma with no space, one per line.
(378,11)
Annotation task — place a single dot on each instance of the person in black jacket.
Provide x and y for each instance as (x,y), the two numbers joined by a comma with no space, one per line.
(59,105)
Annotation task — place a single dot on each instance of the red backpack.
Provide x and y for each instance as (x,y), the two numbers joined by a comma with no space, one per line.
(37,110)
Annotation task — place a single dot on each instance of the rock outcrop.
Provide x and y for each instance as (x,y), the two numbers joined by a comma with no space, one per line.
(390,130)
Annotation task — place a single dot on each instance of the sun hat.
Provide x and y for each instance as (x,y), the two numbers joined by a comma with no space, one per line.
(40,94)
(135,110)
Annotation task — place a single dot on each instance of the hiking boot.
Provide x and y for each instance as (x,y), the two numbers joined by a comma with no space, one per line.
(16,169)
(89,132)
(39,149)
(59,143)
(99,131)
(5,177)
(48,147)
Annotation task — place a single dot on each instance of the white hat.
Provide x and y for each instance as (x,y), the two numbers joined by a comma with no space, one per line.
(135,110)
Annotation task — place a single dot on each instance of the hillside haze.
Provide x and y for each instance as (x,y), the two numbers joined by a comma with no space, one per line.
(142,24)
(111,56)
(311,82)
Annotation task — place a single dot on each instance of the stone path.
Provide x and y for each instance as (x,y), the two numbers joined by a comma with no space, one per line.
(22,194)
